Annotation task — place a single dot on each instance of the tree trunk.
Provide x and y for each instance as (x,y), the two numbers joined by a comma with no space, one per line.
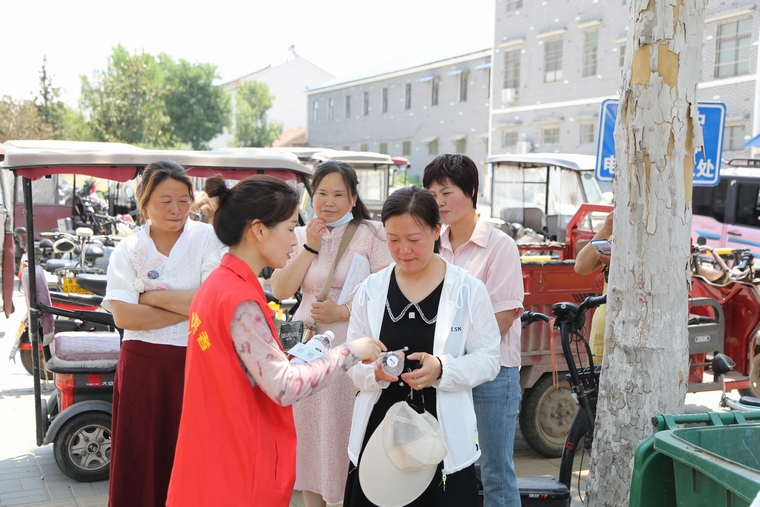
(657,131)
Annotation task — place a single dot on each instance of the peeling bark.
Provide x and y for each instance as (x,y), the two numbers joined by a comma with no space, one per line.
(645,367)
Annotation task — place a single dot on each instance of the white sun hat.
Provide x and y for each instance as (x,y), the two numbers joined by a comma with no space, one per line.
(401,456)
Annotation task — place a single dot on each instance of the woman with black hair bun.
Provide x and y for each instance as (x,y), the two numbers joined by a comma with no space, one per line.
(237,440)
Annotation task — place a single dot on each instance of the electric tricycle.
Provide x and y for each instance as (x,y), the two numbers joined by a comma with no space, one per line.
(76,418)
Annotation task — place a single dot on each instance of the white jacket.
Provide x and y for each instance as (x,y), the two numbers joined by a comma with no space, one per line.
(467,343)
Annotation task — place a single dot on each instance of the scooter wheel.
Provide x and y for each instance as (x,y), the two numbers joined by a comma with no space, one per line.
(26,362)
(82,448)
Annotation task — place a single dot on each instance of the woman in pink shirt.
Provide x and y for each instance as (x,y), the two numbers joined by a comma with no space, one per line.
(470,242)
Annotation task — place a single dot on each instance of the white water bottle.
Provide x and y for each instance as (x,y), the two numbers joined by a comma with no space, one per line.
(313,349)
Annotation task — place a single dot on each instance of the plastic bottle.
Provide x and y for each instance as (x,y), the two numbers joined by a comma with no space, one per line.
(320,343)
(393,362)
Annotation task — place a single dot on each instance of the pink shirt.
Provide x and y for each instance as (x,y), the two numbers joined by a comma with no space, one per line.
(492,257)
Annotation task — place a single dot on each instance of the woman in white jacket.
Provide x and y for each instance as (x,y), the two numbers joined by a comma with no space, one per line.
(444,316)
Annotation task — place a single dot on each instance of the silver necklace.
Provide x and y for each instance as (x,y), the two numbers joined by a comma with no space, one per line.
(403,312)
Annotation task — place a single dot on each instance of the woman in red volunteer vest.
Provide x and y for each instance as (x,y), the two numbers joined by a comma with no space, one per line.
(237,441)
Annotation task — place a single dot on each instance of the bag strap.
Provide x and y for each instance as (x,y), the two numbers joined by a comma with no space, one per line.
(344,241)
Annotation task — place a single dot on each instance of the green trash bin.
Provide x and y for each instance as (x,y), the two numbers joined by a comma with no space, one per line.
(706,466)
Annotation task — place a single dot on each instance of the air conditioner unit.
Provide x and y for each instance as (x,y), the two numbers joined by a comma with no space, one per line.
(524,147)
(508,95)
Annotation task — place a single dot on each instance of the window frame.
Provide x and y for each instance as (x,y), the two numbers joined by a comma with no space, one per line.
(587,128)
(464,79)
(365,105)
(729,138)
(385,100)
(434,147)
(512,81)
(547,128)
(330,109)
(406,148)
(408,96)
(592,51)
(348,106)
(737,38)
(556,60)
(508,132)
(435,91)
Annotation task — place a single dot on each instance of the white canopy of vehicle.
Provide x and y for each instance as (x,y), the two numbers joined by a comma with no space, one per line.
(50,154)
(353,157)
(569,160)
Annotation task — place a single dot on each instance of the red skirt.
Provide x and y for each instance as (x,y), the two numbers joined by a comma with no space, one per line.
(147,404)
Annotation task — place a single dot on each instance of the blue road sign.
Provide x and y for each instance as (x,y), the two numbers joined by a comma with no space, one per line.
(712,117)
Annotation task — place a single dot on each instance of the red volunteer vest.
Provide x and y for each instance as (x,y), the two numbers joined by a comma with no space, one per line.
(236,447)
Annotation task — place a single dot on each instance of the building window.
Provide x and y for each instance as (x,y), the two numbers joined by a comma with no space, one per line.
(385,100)
(550,136)
(435,88)
(590,52)
(513,5)
(552,61)
(622,54)
(330,108)
(463,78)
(732,48)
(433,147)
(509,139)
(366,103)
(460,145)
(406,148)
(348,106)
(384,148)
(346,148)
(512,69)
(587,133)
(488,81)
(363,147)
(734,138)
(408,96)
(315,111)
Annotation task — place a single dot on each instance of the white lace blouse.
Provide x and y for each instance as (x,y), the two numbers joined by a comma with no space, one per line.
(136,266)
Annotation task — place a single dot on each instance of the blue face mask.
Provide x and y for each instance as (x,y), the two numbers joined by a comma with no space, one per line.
(346,218)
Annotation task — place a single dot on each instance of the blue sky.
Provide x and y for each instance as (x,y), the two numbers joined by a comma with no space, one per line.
(342,36)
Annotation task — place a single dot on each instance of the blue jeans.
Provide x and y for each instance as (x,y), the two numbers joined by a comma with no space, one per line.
(496,405)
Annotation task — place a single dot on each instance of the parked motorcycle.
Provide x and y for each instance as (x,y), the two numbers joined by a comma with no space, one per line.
(83,253)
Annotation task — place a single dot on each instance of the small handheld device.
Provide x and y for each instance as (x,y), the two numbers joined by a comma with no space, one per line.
(603,246)
(393,362)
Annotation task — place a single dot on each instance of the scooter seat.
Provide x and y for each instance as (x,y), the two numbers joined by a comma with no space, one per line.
(749,400)
(53,264)
(93,283)
(87,346)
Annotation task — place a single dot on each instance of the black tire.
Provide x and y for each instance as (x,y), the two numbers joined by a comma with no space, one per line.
(546,415)
(754,377)
(26,362)
(82,448)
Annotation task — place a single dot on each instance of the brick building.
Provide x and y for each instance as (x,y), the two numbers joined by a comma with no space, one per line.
(555,61)
(417,107)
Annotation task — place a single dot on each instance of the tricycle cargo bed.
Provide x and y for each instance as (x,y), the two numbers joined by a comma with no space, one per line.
(547,283)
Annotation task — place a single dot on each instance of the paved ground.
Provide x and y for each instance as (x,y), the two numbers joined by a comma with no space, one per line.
(30,477)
